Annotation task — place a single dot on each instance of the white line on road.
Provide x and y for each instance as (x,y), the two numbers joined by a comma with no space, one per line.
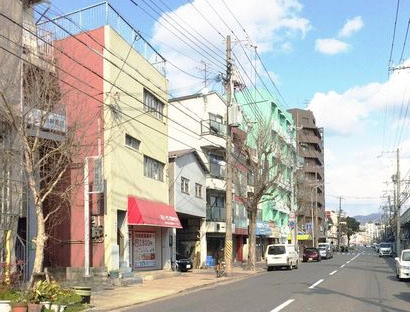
(286,303)
(342,266)
(348,261)
(334,272)
(317,283)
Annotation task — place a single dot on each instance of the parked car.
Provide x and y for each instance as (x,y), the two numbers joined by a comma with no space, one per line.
(325,250)
(281,255)
(403,265)
(184,264)
(311,254)
(385,249)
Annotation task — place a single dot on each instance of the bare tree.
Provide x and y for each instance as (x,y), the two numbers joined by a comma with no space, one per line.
(46,148)
(264,152)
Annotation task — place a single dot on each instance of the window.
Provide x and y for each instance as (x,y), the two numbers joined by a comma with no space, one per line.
(153,105)
(153,168)
(132,142)
(198,190)
(217,118)
(184,185)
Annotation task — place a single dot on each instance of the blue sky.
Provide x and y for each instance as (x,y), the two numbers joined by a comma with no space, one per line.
(328,56)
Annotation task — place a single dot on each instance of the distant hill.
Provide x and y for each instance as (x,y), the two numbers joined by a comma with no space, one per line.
(368,218)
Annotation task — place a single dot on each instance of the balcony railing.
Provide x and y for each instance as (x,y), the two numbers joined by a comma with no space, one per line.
(217,170)
(47,121)
(215,213)
(213,127)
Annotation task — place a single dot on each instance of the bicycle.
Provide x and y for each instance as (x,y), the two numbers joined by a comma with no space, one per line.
(220,268)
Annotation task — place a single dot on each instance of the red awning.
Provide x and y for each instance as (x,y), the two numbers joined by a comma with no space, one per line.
(146,212)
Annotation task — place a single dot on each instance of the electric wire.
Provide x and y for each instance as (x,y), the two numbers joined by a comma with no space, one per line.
(394,32)
(119,111)
(212,60)
(213,48)
(404,43)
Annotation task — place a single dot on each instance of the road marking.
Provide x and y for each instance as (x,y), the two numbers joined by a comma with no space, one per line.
(342,266)
(286,303)
(317,283)
(334,272)
(348,261)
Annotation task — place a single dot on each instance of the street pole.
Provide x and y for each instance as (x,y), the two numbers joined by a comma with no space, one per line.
(228,234)
(398,205)
(338,223)
(293,210)
(86,221)
(313,215)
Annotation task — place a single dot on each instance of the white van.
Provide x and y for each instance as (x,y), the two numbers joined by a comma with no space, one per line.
(281,255)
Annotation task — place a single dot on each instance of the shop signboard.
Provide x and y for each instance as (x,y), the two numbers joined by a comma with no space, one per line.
(144,250)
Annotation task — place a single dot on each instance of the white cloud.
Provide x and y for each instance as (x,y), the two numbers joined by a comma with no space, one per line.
(331,46)
(356,133)
(350,112)
(351,26)
(270,24)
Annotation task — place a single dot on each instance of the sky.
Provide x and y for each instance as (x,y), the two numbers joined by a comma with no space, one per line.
(343,60)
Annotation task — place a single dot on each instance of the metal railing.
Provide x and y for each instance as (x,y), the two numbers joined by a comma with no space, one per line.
(99,15)
(213,127)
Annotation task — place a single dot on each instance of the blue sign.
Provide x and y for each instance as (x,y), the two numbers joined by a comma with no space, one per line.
(263,229)
(292,224)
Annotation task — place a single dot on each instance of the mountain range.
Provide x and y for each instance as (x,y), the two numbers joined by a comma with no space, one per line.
(374,217)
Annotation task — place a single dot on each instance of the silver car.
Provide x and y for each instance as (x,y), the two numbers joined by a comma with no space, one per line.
(385,250)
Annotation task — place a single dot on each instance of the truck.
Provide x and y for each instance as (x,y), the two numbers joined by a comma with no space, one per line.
(403,265)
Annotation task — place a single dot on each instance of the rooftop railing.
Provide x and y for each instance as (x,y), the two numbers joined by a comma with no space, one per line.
(99,15)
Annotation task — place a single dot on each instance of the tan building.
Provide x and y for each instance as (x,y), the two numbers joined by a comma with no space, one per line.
(310,176)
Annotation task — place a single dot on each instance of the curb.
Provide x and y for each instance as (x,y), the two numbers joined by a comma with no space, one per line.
(211,283)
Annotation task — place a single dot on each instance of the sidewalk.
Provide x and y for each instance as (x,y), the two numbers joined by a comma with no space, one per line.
(114,298)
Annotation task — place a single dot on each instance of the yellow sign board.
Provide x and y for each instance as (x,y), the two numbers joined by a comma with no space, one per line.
(301,237)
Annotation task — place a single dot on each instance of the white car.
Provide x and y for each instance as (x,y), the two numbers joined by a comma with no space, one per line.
(325,250)
(385,250)
(403,265)
(281,255)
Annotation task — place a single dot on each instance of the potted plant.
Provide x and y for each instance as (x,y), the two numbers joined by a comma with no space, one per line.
(64,298)
(9,282)
(7,296)
(19,302)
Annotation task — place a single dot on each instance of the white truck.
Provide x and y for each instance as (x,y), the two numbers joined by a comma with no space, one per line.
(403,265)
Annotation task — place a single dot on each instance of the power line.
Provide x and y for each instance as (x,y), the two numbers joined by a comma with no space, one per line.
(394,32)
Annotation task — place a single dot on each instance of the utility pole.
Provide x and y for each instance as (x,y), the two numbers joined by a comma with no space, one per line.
(339,230)
(293,210)
(398,205)
(228,233)
(205,70)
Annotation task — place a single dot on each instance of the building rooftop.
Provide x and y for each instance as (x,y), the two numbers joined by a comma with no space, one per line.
(99,15)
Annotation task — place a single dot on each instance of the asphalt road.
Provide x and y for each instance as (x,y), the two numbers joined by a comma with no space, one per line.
(348,282)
